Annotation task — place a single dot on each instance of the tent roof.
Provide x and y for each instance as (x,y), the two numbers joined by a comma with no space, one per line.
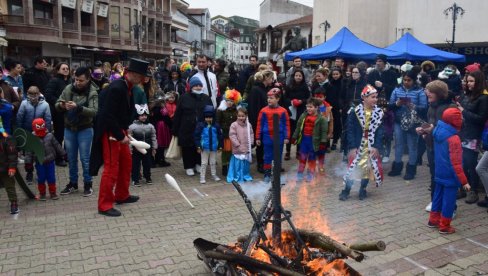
(412,49)
(344,44)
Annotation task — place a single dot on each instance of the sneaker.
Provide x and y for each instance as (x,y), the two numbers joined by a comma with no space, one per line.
(198,168)
(432,225)
(385,159)
(42,197)
(29,177)
(447,230)
(299,177)
(129,199)
(110,213)
(472,197)
(69,189)
(454,214)
(14,208)
(202,181)
(483,203)
(149,181)
(215,178)
(309,177)
(190,172)
(428,208)
(136,183)
(54,196)
(87,192)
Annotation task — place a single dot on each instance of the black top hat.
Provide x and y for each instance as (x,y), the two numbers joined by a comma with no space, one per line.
(138,66)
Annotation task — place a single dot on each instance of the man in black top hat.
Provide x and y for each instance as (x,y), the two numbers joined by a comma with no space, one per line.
(111,143)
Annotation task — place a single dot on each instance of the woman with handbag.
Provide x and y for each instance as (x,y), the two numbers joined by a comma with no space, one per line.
(407,100)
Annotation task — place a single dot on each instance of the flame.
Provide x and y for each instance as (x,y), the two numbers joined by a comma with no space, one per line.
(322,267)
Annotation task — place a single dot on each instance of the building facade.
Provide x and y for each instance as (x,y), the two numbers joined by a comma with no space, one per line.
(206,35)
(181,46)
(382,22)
(85,30)
(274,12)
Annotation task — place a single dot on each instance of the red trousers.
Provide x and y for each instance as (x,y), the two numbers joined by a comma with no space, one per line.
(117,163)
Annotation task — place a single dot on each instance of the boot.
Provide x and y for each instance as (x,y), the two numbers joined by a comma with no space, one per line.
(347,189)
(445,226)
(52,191)
(362,190)
(410,172)
(42,191)
(225,170)
(396,169)
(434,219)
(213,172)
(203,170)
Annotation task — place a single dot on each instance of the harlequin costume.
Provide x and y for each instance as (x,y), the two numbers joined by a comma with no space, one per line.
(311,135)
(113,120)
(264,131)
(449,174)
(46,171)
(364,132)
(225,117)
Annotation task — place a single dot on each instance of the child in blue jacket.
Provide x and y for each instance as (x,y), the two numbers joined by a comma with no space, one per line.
(208,139)
(449,174)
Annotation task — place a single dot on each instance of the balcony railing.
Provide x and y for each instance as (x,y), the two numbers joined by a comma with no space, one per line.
(13,19)
(70,26)
(102,32)
(87,29)
(44,22)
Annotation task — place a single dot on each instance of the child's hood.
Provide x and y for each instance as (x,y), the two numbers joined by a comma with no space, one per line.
(443,131)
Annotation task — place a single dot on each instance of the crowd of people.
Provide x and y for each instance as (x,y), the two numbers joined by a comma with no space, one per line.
(210,107)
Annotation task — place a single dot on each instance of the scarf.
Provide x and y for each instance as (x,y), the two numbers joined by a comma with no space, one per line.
(376,119)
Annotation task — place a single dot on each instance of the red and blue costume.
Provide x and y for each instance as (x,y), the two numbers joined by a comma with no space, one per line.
(449,174)
(264,132)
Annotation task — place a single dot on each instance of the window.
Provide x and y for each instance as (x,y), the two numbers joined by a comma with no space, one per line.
(15,8)
(68,16)
(276,41)
(242,57)
(115,21)
(247,57)
(247,48)
(262,44)
(242,48)
(86,19)
(125,22)
(288,36)
(43,10)
(173,36)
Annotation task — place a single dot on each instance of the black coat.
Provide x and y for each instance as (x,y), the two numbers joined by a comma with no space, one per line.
(335,93)
(189,112)
(256,100)
(388,78)
(353,93)
(35,77)
(300,92)
(180,86)
(54,89)
(244,75)
(475,115)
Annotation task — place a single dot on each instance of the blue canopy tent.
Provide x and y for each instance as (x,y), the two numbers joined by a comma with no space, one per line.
(343,44)
(412,49)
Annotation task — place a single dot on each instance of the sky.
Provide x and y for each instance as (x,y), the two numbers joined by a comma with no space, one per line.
(244,8)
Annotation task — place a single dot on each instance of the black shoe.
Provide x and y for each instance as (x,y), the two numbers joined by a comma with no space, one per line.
(396,169)
(136,183)
(29,176)
(483,203)
(61,163)
(110,213)
(164,164)
(149,181)
(130,199)
(344,195)
(14,208)
(88,192)
(333,147)
(410,172)
(70,188)
(363,194)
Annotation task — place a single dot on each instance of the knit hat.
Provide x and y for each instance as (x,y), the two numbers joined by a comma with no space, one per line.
(194,81)
(233,95)
(454,117)
(381,57)
(473,67)
(208,111)
(368,90)
(39,127)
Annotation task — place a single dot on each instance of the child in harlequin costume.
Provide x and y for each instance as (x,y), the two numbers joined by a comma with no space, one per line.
(242,137)
(8,164)
(325,109)
(311,135)
(226,115)
(264,129)
(45,171)
(364,138)
(142,130)
(449,174)
(208,139)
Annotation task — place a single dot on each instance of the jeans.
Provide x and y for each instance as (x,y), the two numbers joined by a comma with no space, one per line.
(470,160)
(482,170)
(403,137)
(81,141)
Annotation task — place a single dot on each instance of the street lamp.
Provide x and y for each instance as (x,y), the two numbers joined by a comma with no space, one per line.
(194,46)
(326,26)
(455,10)
(138,28)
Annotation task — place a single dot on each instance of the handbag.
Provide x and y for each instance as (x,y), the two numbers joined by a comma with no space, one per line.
(409,120)
(174,151)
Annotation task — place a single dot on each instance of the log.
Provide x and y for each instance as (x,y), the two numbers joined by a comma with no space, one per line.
(248,262)
(371,246)
(319,240)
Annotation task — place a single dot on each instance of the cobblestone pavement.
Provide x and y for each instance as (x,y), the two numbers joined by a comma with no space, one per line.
(155,235)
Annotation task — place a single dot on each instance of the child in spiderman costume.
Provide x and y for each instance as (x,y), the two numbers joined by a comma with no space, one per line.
(264,129)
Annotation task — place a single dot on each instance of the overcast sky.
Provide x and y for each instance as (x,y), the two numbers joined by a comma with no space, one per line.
(245,8)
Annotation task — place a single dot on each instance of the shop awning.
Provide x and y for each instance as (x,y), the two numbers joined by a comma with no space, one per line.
(3,42)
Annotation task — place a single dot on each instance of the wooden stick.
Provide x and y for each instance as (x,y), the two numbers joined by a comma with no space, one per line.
(371,246)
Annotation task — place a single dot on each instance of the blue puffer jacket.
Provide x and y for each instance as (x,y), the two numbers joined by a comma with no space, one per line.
(417,97)
(448,156)
(6,113)
(28,112)
(208,137)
